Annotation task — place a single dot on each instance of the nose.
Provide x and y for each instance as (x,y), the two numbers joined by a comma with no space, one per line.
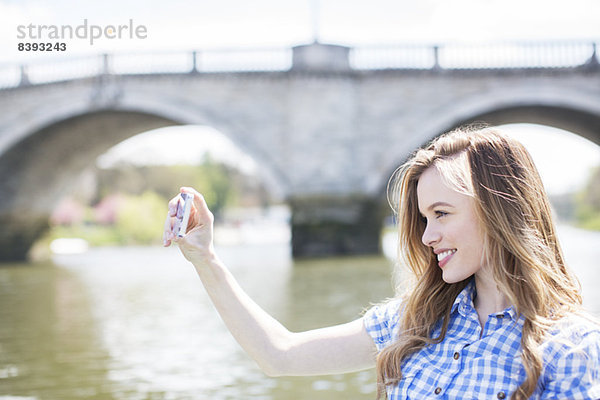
(431,235)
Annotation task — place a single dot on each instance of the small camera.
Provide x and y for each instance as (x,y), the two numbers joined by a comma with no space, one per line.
(183,214)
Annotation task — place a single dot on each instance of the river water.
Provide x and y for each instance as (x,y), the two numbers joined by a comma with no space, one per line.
(135,323)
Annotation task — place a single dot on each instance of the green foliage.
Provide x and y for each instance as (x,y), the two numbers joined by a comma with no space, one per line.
(217,182)
(587,209)
(96,235)
(143,195)
(140,219)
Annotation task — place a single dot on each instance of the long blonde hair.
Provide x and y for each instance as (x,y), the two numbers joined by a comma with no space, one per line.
(521,246)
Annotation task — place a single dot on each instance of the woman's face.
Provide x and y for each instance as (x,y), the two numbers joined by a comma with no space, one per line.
(453,230)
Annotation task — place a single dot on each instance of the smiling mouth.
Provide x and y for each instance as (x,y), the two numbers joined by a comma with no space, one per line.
(444,257)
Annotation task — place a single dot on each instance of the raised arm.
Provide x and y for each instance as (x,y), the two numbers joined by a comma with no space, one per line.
(277,351)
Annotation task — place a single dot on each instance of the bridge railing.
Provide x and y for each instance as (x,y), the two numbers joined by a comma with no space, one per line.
(523,55)
(498,56)
(484,56)
(450,57)
(221,60)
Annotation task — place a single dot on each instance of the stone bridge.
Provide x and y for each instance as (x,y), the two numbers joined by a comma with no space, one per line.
(326,130)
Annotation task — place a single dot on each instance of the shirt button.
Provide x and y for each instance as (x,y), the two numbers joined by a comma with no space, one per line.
(438,390)
(456,355)
(501,395)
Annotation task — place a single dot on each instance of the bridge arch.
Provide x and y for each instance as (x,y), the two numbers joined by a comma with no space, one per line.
(39,168)
(573,113)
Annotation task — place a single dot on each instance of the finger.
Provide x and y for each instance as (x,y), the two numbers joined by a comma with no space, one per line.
(168,229)
(203,213)
(170,221)
(173,204)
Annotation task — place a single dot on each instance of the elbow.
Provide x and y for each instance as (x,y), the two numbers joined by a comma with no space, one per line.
(271,372)
(274,362)
(271,368)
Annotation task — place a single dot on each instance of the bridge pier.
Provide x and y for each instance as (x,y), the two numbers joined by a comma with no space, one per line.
(18,234)
(335,225)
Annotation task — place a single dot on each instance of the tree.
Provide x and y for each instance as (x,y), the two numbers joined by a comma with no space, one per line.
(588,203)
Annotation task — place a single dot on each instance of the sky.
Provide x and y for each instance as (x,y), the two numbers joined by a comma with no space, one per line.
(178,25)
(185,25)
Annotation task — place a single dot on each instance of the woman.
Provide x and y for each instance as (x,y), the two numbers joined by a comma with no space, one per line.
(494,312)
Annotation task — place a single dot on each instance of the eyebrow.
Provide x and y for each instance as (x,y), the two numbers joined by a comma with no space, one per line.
(439,203)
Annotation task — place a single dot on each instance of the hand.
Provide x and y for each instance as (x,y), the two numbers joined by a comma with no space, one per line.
(197,244)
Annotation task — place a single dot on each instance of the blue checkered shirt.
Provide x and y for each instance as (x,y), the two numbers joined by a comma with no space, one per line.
(471,364)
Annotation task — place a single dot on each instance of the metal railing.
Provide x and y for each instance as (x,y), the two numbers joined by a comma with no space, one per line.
(525,55)
(530,55)
(222,60)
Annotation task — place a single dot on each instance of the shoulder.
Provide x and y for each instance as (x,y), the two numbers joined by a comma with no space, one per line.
(382,322)
(571,333)
(571,354)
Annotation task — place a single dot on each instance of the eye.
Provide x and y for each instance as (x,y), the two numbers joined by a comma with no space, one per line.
(423,218)
(439,214)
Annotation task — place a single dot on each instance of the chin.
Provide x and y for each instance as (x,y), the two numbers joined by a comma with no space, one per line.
(450,278)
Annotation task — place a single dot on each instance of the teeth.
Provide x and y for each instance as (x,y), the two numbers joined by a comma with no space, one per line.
(445,254)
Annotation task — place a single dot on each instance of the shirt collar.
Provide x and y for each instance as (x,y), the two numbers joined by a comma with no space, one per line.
(511,312)
(464,302)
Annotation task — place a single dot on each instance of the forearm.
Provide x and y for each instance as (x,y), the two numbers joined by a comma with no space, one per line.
(277,351)
(259,334)
(336,349)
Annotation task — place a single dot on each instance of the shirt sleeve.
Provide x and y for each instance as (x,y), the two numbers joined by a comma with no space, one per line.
(382,323)
(574,371)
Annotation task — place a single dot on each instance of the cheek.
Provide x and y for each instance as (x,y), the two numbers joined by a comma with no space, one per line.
(474,240)
(476,248)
